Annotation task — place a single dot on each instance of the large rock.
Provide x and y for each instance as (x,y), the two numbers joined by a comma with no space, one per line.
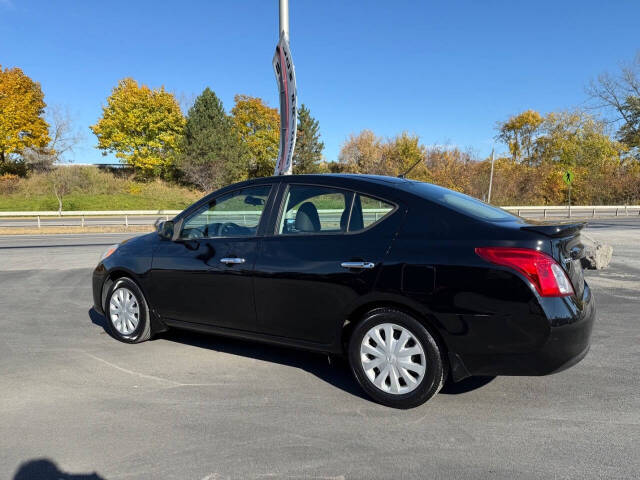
(597,255)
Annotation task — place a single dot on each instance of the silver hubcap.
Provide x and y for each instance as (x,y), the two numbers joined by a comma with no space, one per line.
(124,310)
(392,358)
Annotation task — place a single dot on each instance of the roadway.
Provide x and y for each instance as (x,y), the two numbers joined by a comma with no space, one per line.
(185,406)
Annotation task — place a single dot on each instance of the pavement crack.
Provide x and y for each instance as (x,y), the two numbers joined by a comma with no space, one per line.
(169,383)
(133,372)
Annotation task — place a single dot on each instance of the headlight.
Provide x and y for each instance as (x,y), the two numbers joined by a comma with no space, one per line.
(109,251)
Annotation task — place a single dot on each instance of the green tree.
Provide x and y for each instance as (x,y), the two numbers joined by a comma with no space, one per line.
(258,126)
(519,133)
(22,123)
(307,156)
(211,152)
(143,127)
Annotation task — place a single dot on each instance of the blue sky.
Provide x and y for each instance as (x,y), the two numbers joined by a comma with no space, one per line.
(447,71)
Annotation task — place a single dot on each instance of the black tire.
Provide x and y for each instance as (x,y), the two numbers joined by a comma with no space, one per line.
(142,331)
(436,367)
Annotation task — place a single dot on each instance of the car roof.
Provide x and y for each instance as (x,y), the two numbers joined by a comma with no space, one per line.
(350,176)
(400,185)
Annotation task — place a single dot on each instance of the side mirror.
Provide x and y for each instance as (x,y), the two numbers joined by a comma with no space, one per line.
(165,229)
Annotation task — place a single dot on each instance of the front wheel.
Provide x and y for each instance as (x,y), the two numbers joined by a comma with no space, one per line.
(395,359)
(127,312)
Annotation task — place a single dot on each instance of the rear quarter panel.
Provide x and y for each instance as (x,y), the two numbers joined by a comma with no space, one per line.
(474,306)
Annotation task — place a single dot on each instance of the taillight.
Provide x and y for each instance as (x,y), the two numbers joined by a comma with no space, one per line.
(542,270)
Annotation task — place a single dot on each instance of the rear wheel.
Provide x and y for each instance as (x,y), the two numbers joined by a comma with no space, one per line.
(395,359)
(127,312)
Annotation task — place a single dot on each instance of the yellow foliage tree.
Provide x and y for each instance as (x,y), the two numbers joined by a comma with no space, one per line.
(22,124)
(576,138)
(142,126)
(519,134)
(368,153)
(404,153)
(258,125)
(362,153)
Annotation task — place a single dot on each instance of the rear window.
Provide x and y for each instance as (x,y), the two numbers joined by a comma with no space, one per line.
(461,203)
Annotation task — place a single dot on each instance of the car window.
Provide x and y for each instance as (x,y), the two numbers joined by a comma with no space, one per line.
(368,211)
(236,214)
(310,209)
(474,207)
(461,203)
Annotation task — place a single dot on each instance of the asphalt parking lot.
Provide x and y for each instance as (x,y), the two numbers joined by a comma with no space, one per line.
(75,402)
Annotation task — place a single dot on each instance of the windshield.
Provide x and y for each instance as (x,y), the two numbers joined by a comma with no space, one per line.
(461,203)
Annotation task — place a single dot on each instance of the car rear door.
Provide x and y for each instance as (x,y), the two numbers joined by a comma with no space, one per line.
(325,251)
(205,276)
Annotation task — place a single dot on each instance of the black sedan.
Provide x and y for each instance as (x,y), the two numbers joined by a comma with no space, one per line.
(412,282)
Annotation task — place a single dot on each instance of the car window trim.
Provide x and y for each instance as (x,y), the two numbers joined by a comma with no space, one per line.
(287,185)
(206,202)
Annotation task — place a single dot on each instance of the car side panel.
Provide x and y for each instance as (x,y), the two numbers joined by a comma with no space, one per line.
(301,289)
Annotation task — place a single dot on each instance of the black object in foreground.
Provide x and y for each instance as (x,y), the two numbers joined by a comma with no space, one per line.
(409,281)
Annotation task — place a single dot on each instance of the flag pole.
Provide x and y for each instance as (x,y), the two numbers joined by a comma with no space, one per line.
(284,18)
(286,79)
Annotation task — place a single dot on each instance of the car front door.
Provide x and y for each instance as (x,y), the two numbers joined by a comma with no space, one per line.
(325,251)
(205,276)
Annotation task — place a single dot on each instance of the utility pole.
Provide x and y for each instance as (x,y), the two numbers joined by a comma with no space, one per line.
(286,78)
(490,178)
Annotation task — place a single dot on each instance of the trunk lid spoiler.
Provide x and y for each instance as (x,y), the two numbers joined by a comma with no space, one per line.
(555,230)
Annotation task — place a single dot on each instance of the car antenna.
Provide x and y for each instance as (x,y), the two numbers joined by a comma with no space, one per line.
(403,175)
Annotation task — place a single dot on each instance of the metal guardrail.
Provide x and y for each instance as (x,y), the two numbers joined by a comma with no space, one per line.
(128,218)
(576,211)
(90,213)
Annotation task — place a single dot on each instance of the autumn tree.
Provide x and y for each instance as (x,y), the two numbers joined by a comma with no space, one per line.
(575,138)
(211,152)
(22,123)
(307,156)
(404,155)
(618,95)
(368,153)
(362,153)
(449,167)
(258,126)
(519,133)
(142,126)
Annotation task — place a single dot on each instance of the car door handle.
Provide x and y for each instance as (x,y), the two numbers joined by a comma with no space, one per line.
(232,260)
(358,265)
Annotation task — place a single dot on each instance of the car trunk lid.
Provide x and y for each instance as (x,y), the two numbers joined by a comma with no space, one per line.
(566,248)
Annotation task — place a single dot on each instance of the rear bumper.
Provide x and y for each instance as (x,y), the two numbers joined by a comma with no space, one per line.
(567,342)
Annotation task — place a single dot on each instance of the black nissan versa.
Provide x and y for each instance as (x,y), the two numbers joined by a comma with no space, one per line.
(411,281)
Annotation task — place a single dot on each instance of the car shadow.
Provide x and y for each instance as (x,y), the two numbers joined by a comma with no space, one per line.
(467,385)
(45,469)
(335,372)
